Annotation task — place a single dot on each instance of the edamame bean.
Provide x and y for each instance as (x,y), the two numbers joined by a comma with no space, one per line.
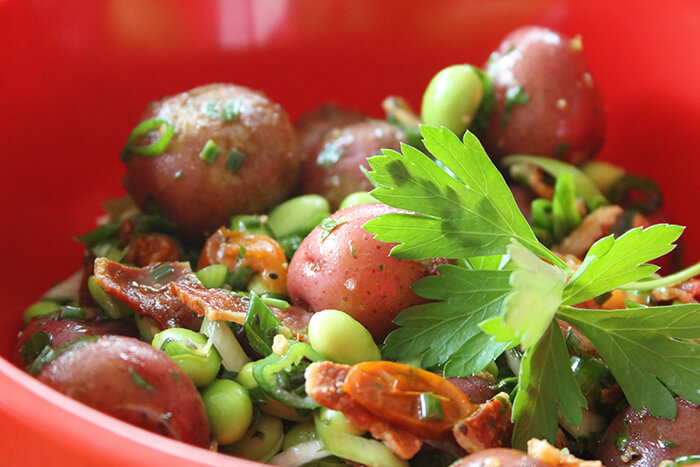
(229,409)
(357,198)
(213,276)
(298,216)
(113,307)
(452,98)
(301,433)
(191,352)
(341,339)
(271,406)
(262,440)
(257,225)
(335,420)
(40,309)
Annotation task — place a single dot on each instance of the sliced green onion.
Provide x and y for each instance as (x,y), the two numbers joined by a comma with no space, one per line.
(210,152)
(99,234)
(635,192)
(47,354)
(230,110)
(140,381)
(35,345)
(238,278)
(213,277)
(157,147)
(162,271)
(233,357)
(565,215)
(210,109)
(72,312)
(430,407)
(115,308)
(234,160)
(40,309)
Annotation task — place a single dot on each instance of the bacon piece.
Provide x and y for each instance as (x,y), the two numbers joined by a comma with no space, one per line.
(324,383)
(488,427)
(594,226)
(541,450)
(215,304)
(151,297)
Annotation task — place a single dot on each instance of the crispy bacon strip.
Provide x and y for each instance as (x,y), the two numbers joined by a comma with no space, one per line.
(220,305)
(324,383)
(215,304)
(489,427)
(146,295)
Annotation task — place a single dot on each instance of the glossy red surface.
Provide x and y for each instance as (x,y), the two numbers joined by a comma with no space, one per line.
(75,76)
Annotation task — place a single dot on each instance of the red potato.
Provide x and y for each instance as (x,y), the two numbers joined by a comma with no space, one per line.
(64,331)
(500,457)
(132,381)
(646,440)
(333,167)
(313,125)
(348,270)
(478,390)
(547,103)
(184,184)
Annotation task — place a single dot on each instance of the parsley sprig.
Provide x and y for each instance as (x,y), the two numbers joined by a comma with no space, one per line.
(464,210)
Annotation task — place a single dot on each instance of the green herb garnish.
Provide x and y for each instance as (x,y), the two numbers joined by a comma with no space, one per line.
(162,271)
(329,225)
(210,152)
(464,209)
(34,345)
(234,160)
(160,127)
(140,381)
(430,407)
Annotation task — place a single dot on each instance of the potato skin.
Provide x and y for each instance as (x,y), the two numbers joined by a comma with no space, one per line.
(351,145)
(63,331)
(646,434)
(313,125)
(502,457)
(101,374)
(351,271)
(200,196)
(564,115)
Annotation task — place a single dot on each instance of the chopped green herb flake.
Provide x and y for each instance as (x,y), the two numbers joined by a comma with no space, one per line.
(352,251)
(381,267)
(328,225)
(230,110)
(175,376)
(162,271)
(669,444)
(35,345)
(241,251)
(430,407)
(210,109)
(234,160)
(210,152)
(140,381)
(99,234)
(330,154)
(562,147)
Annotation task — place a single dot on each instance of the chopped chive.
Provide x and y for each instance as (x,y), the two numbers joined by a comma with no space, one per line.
(669,444)
(144,128)
(230,110)
(139,381)
(621,439)
(210,109)
(381,267)
(238,278)
(162,271)
(176,377)
(234,160)
(430,407)
(241,251)
(47,353)
(210,152)
(99,234)
(72,312)
(35,345)
(212,276)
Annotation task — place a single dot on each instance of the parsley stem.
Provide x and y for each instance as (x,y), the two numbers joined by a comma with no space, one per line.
(674,278)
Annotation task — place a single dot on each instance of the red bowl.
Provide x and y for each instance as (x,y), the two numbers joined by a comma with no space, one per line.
(75,77)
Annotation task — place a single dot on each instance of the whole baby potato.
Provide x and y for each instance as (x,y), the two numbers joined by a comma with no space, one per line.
(334,166)
(313,125)
(232,151)
(341,266)
(641,440)
(546,101)
(132,381)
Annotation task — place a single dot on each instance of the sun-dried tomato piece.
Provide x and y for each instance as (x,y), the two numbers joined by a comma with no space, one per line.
(324,383)
(148,249)
(146,290)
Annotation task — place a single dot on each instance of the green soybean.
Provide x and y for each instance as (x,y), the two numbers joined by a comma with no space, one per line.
(336,421)
(113,307)
(452,98)
(189,349)
(357,198)
(213,276)
(40,309)
(245,376)
(298,216)
(301,433)
(262,440)
(339,338)
(229,409)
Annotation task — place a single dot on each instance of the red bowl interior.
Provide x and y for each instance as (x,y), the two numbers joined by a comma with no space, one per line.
(75,77)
